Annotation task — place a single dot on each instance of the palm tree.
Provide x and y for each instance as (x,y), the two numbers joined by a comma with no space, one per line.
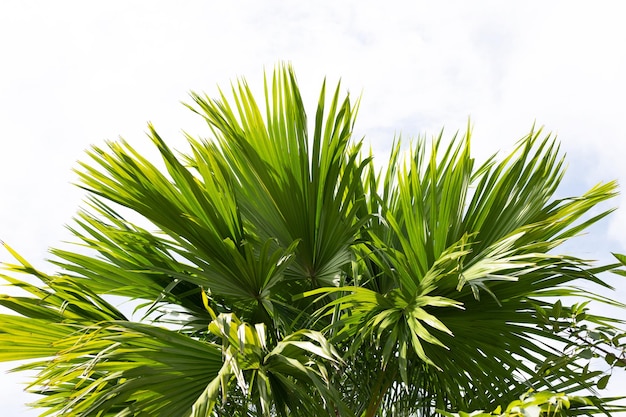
(279,273)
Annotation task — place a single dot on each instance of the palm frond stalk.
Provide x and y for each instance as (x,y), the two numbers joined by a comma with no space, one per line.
(280,274)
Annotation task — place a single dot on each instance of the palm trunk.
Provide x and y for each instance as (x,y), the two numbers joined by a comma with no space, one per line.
(383,383)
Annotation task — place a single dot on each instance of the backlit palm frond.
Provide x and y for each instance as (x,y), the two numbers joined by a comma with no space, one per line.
(91,360)
(293,187)
(481,239)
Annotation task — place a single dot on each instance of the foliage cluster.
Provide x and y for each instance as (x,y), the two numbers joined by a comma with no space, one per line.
(280,273)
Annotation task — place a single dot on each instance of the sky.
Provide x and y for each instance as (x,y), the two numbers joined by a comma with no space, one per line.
(76,73)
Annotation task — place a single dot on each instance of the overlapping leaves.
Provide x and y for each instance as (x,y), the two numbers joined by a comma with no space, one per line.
(299,280)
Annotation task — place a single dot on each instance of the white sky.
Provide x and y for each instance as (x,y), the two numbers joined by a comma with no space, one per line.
(74,73)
